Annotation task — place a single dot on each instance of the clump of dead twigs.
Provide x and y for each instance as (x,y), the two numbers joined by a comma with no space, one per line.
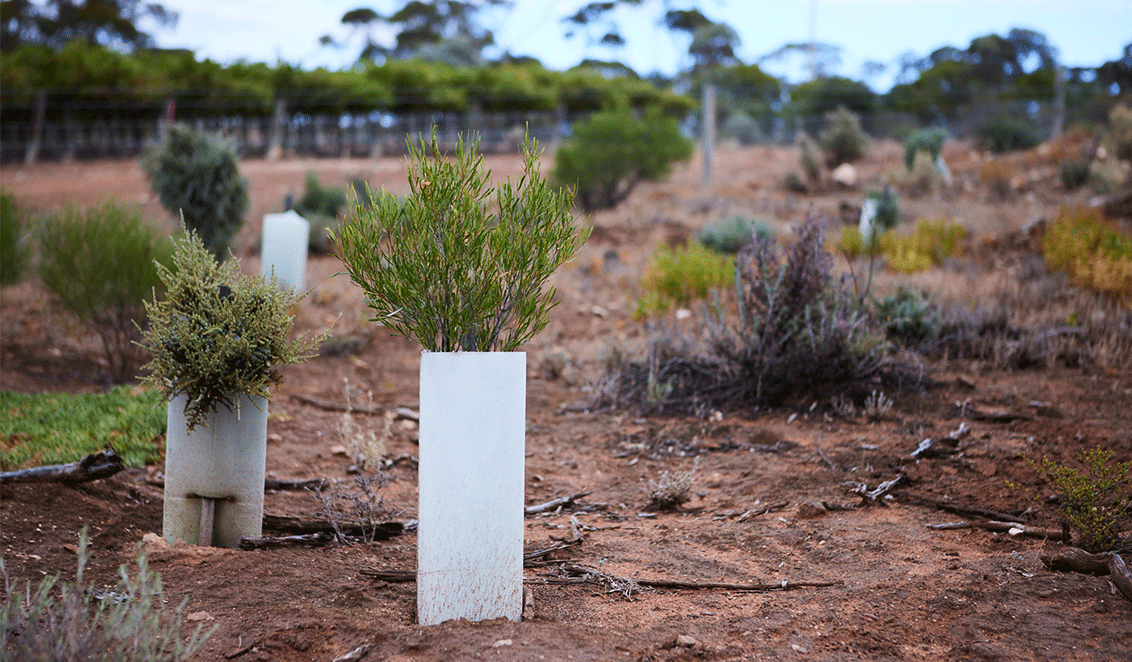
(357,508)
(670,491)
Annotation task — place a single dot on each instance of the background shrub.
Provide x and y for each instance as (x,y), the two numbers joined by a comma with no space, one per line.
(15,251)
(63,621)
(322,207)
(614,150)
(928,140)
(996,174)
(732,234)
(843,139)
(743,128)
(1094,500)
(1096,254)
(99,264)
(923,177)
(906,317)
(888,209)
(1007,134)
(678,276)
(1120,130)
(1073,173)
(196,176)
(808,159)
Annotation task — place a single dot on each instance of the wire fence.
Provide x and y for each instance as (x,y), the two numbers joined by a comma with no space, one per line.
(62,131)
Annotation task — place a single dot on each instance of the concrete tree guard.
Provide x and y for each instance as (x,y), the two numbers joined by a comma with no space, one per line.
(471,480)
(286,238)
(214,474)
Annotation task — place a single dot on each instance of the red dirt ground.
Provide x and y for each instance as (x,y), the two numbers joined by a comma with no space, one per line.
(897,589)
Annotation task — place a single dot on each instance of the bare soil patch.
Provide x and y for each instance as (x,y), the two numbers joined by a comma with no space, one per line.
(768,502)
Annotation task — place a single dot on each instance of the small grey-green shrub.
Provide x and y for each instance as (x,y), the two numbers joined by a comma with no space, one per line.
(101,266)
(670,491)
(743,128)
(73,622)
(321,206)
(843,139)
(197,177)
(928,140)
(808,158)
(218,333)
(1074,173)
(460,265)
(1094,500)
(15,250)
(614,150)
(732,234)
(1003,133)
(907,318)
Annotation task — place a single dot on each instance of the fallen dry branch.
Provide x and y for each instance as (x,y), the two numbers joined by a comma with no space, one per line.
(554,504)
(876,495)
(275,542)
(398,412)
(1073,559)
(1013,528)
(102,464)
(296,526)
(784,585)
(295,485)
(958,509)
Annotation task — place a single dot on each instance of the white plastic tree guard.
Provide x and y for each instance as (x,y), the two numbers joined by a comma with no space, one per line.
(286,238)
(868,218)
(471,479)
(214,474)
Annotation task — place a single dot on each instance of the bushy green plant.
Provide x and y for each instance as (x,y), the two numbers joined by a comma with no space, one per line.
(1003,133)
(1095,253)
(843,139)
(906,317)
(321,206)
(52,428)
(732,234)
(459,266)
(1093,500)
(218,333)
(678,276)
(924,175)
(614,150)
(15,251)
(1074,173)
(808,158)
(196,176)
(793,183)
(743,128)
(1120,131)
(75,622)
(888,209)
(100,265)
(928,140)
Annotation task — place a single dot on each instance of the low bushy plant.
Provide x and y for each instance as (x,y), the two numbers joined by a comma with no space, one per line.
(1073,173)
(906,317)
(322,207)
(843,139)
(15,249)
(459,265)
(680,275)
(929,244)
(614,150)
(1095,253)
(1094,500)
(923,177)
(197,177)
(1120,131)
(732,234)
(927,140)
(1003,133)
(101,266)
(743,128)
(71,622)
(888,209)
(53,428)
(808,160)
(996,173)
(218,333)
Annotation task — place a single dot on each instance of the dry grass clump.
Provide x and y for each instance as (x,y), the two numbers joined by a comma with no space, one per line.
(996,174)
(670,491)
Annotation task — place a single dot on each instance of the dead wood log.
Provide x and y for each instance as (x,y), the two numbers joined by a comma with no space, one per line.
(555,503)
(784,585)
(274,542)
(294,485)
(1014,528)
(956,508)
(102,464)
(1073,559)
(873,496)
(398,412)
(295,526)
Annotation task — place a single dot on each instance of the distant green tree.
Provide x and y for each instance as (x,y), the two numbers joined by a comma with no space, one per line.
(824,95)
(111,23)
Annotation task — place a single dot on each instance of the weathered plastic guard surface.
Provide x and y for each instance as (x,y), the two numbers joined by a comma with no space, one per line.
(470,537)
(225,459)
(285,246)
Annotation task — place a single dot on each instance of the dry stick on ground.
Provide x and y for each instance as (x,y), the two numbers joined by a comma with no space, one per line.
(874,496)
(398,412)
(102,464)
(956,508)
(1022,529)
(295,485)
(1078,560)
(555,503)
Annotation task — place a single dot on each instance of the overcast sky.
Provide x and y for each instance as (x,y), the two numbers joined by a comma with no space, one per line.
(1085,32)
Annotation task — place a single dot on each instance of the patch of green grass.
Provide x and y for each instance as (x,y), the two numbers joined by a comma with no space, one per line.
(53,428)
